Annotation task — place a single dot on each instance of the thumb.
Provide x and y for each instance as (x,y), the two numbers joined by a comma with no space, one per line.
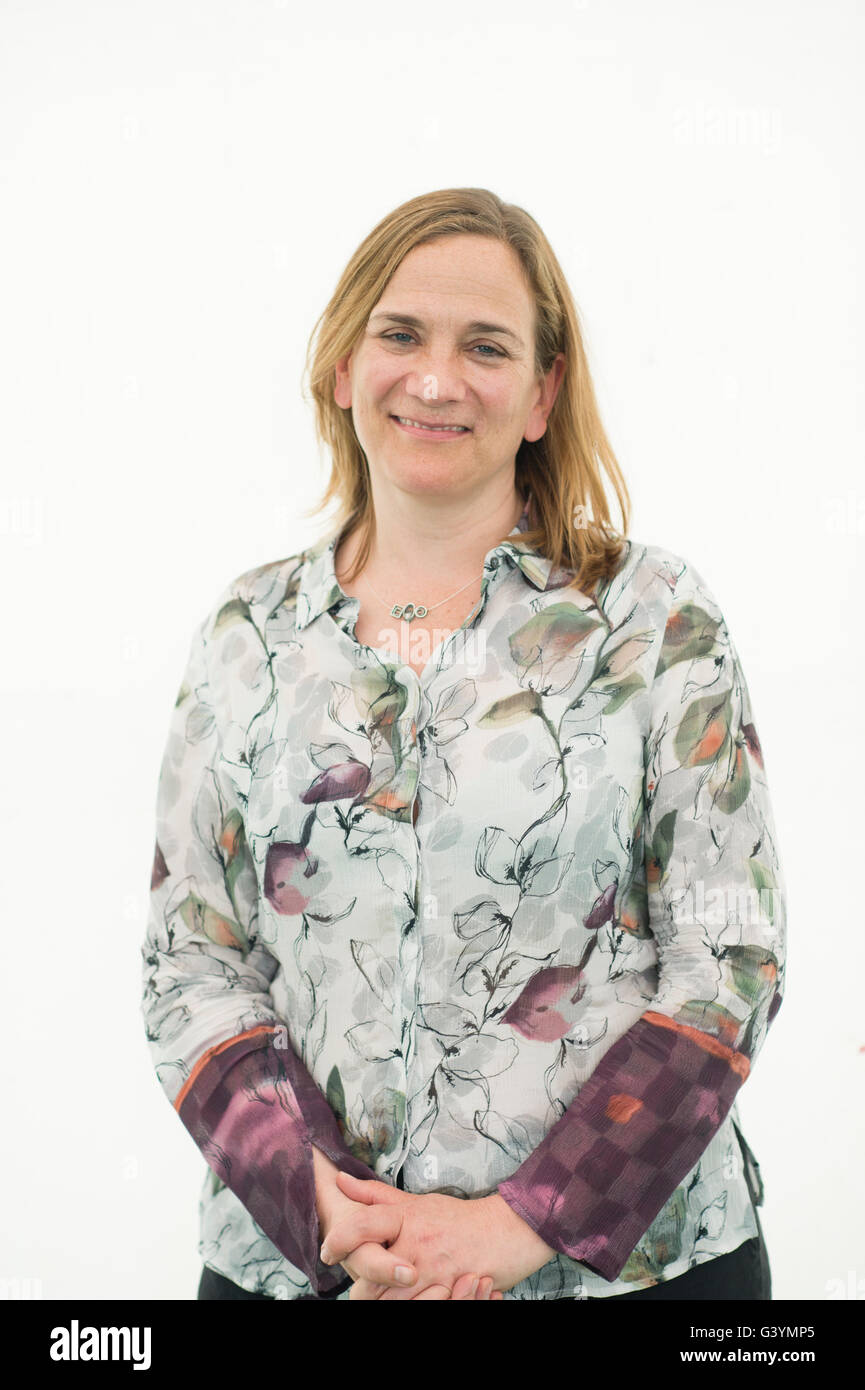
(367,1190)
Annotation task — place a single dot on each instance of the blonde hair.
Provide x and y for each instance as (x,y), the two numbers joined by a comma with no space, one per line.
(560,473)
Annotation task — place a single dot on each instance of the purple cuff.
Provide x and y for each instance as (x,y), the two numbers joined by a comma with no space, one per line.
(598,1179)
(253,1109)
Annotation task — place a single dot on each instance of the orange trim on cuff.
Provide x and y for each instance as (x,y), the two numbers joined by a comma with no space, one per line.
(738,1061)
(214,1051)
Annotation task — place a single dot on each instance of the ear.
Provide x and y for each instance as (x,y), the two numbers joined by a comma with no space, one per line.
(342,382)
(536,424)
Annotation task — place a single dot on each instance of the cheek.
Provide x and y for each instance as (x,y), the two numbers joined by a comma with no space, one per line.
(378,379)
(505,399)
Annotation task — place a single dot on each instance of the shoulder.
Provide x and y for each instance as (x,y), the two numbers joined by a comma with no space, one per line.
(255,594)
(657,580)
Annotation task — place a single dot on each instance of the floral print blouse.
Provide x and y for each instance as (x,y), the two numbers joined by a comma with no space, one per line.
(514,925)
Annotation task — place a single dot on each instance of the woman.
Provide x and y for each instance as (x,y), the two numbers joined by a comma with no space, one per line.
(467,921)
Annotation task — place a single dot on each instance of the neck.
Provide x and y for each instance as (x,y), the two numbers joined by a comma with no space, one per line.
(435,543)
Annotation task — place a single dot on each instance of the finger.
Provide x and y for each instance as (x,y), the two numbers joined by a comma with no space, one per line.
(473,1287)
(379,1223)
(365,1289)
(391,1293)
(370,1262)
(464,1287)
(433,1291)
(367,1190)
(463,1290)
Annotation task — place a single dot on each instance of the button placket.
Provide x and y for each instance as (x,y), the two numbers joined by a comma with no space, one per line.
(409,962)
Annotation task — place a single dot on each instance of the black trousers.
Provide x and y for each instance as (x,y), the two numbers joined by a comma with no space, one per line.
(743,1273)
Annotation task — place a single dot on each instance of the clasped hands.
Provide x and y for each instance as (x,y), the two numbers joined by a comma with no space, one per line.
(443,1241)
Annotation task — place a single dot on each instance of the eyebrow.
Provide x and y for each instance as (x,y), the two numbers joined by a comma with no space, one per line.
(476,326)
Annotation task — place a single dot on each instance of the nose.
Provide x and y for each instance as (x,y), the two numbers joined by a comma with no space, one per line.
(436,376)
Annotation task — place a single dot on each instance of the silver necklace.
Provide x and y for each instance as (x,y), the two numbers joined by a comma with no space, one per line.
(408,611)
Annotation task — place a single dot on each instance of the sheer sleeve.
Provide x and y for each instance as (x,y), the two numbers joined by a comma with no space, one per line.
(219,1048)
(717,909)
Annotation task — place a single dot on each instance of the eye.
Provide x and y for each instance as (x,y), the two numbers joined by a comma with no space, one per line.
(401,333)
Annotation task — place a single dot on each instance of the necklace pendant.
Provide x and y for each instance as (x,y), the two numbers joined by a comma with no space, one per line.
(408,611)
(413,610)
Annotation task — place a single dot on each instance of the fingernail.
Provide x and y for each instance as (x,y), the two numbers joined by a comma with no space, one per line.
(474,1287)
(324,1255)
(404,1274)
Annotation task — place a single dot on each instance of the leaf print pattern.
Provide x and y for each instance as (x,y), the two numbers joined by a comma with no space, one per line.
(603,1173)
(240,1091)
(517,927)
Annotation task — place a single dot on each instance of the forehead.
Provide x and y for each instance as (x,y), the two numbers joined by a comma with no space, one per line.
(461,275)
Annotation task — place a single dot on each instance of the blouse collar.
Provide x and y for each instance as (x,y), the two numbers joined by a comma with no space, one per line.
(319,590)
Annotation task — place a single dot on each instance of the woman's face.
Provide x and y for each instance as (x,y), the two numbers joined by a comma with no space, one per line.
(423,356)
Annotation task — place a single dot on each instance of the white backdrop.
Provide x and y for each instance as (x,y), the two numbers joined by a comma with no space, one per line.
(182,183)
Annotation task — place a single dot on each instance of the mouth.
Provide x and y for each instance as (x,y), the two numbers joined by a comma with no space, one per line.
(432,431)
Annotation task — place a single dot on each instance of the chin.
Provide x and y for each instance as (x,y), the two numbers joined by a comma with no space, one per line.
(422,475)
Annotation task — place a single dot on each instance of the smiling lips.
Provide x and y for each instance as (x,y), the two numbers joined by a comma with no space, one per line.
(417,427)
